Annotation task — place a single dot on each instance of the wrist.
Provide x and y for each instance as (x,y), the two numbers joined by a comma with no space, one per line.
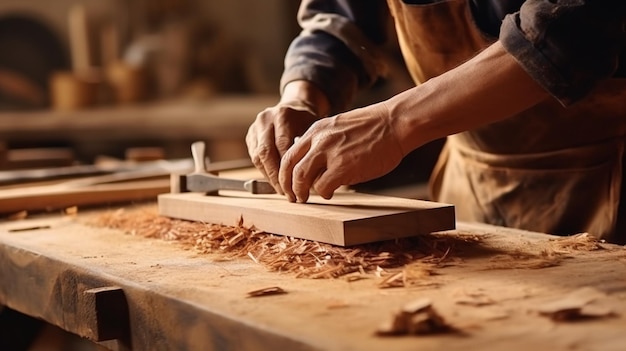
(304,95)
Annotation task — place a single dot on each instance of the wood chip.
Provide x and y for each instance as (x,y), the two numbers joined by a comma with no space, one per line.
(272,290)
(417,306)
(415,318)
(18,216)
(577,305)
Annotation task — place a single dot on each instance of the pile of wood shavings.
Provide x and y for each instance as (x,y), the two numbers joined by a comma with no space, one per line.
(396,261)
(546,254)
(578,242)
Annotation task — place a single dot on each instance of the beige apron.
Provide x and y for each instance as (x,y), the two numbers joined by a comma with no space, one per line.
(549,169)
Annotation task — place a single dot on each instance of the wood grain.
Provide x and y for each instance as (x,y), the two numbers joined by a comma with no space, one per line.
(347,219)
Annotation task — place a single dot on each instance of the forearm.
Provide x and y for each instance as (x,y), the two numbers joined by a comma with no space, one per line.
(490,87)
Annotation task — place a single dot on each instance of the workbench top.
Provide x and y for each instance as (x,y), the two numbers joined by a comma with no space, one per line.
(178,299)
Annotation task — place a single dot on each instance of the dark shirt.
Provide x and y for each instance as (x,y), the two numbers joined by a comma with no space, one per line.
(565,45)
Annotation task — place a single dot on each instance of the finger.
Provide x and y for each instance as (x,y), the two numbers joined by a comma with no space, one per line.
(268,159)
(326,184)
(287,164)
(282,142)
(270,165)
(251,142)
(310,167)
(284,136)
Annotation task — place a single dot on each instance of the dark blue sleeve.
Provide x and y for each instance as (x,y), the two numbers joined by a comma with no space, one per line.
(568,46)
(338,47)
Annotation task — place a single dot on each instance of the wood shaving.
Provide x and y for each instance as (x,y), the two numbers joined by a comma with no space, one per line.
(578,242)
(26,229)
(411,275)
(273,290)
(301,257)
(546,254)
(526,260)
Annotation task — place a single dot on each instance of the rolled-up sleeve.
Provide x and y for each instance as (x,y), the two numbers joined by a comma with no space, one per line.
(338,48)
(568,46)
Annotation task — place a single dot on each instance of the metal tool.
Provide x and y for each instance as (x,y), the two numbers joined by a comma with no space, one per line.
(202,181)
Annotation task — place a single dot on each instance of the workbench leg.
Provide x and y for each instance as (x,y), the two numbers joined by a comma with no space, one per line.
(17,331)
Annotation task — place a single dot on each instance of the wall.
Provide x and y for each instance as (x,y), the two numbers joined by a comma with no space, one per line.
(264,27)
(54,13)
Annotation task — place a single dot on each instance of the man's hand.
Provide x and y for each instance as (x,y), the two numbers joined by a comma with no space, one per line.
(276,128)
(273,132)
(342,150)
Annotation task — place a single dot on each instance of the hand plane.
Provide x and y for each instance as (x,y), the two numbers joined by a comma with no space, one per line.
(202,181)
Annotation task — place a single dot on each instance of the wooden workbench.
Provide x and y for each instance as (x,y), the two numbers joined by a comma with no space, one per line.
(180,300)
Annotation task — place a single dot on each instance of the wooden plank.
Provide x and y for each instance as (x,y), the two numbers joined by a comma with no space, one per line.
(144,182)
(346,219)
(53,197)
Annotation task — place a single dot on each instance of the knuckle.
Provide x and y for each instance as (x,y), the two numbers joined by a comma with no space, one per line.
(254,157)
(267,112)
(263,151)
(299,175)
(287,158)
(283,143)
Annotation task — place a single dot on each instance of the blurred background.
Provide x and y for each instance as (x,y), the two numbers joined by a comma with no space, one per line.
(83,80)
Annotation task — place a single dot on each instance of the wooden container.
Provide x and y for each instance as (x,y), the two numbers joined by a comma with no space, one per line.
(70,91)
(128,82)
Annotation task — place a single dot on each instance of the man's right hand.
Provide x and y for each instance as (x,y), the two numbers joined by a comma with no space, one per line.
(276,128)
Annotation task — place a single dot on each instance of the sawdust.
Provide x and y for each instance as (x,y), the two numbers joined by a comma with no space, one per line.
(578,242)
(399,263)
(545,254)
(407,262)
(526,260)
